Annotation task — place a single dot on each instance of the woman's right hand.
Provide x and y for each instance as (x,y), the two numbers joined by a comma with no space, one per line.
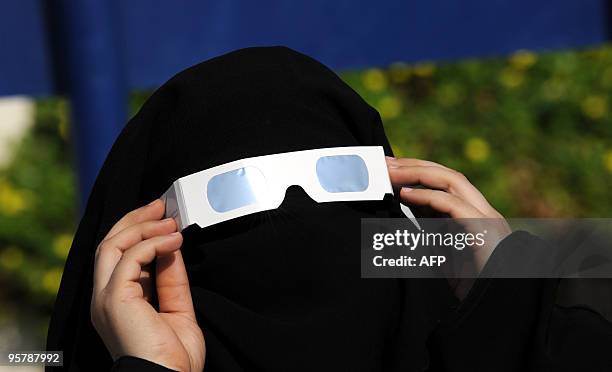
(120,308)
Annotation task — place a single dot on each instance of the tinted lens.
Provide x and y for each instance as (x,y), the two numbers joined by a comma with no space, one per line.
(235,189)
(342,173)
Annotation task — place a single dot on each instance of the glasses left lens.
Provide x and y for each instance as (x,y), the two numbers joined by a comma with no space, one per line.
(342,173)
(235,189)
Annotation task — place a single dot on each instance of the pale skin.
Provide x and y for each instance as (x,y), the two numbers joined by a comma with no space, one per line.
(121,309)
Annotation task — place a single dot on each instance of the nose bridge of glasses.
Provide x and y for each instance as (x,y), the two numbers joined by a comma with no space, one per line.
(283,172)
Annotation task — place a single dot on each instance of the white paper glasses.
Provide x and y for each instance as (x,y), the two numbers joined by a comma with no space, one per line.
(259,183)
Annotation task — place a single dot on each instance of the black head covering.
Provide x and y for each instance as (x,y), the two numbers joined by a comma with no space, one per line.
(276,290)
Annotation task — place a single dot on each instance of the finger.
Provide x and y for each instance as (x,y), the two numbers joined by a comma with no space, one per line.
(411,162)
(173,290)
(440,201)
(434,177)
(129,267)
(153,211)
(109,252)
(442,179)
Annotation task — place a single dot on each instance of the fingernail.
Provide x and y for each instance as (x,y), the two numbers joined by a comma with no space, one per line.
(390,158)
(153,202)
(391,166)
(166,220)
(407,189)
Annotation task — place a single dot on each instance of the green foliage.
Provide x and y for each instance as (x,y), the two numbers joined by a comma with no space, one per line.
(532,132)
(37,219)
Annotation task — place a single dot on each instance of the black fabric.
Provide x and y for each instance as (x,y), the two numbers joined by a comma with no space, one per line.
(507,325)
(279,290)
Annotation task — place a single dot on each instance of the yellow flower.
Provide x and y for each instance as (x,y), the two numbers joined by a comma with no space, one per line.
(399,72)
(375,80)
(12,201)
(11,258)
(61,245)
(595,107)
(553,89)
(511,78)
(424,69)
(51,280)
(607,160)
(389,107)
(523,59)
(476,149)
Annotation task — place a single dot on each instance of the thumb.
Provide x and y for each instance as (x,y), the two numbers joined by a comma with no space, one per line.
(172,285)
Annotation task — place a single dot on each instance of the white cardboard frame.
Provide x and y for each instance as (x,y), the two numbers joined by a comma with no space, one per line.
(187,203)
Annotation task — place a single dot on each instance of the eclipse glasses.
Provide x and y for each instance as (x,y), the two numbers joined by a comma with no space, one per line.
(256,184)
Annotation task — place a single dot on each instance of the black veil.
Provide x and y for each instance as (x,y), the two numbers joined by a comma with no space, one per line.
(271,290)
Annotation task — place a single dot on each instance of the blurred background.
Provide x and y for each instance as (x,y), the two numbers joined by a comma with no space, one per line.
(514,94)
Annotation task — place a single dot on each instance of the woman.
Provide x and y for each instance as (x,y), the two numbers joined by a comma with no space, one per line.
(281,290)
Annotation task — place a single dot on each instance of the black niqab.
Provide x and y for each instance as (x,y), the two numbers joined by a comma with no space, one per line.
(282,289)
(275,289)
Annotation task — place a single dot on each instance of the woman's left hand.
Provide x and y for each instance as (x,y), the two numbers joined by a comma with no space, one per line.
(448,191)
